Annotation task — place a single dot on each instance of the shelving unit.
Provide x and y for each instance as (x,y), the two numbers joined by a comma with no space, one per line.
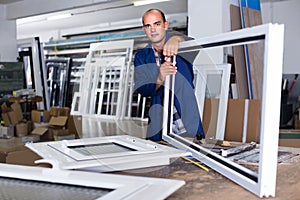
(11,77)
(58,80)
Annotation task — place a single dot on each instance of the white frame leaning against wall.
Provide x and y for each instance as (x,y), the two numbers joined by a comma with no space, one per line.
(262,183)
(202,72)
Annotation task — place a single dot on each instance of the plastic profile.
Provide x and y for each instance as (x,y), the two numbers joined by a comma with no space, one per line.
(263,182)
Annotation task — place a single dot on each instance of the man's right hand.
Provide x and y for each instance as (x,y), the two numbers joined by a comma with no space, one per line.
(165,69)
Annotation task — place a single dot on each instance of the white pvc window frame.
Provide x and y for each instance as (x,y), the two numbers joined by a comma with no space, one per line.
(262,183)
(122,186)
(99,61)
(76,103)
(202,73)
(134,148)
(145,154)
(39,70)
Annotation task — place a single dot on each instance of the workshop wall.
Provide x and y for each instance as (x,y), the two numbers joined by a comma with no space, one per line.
(8,35)
(287,13)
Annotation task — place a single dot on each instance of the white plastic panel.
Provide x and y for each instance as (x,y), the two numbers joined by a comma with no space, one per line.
(109,186)
(88,154)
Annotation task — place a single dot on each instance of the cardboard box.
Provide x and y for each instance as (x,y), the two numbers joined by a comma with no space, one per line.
(24,157)
(60,121)
(289,138)
(39,116)
(39,130)
(2,158)
(59,111)
(210,116)
(13,119)
(4,114)
(10,145)
(43,132)
(59,132)
(11,115)
(236,111)
(235,120)
(16,107)
(5,118)
(22,129)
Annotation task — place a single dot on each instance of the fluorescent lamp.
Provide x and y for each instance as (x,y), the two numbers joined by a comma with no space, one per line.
(62,16)
(145,2)
(28,20)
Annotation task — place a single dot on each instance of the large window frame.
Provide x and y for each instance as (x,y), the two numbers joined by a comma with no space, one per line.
(263,182)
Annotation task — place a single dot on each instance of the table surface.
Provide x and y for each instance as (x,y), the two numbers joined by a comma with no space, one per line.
(212,185)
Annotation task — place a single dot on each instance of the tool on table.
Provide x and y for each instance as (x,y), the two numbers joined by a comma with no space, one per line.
(238,149)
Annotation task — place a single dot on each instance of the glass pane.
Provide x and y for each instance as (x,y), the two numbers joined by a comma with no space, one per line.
(228,90)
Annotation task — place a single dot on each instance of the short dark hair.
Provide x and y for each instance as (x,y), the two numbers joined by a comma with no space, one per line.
(155,9)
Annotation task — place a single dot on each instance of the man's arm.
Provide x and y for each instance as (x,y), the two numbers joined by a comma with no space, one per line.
(172,45)
(170,49)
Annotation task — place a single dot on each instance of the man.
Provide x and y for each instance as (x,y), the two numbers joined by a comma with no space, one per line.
(152,65)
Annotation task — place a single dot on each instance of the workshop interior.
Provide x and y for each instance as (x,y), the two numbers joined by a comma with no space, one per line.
(73,125)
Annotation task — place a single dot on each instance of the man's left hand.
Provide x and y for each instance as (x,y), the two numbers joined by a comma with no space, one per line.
(171,46)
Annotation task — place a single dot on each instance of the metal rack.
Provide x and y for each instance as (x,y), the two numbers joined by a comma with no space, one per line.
(58,71)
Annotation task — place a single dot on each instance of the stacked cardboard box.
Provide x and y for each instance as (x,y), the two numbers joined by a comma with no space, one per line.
(13,119)
(56,124)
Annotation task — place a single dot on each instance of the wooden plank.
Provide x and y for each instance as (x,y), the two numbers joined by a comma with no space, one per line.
(239,56)
(255,51)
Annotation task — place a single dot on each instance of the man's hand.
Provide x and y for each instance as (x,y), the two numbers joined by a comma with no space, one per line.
(171,46)
(165,69)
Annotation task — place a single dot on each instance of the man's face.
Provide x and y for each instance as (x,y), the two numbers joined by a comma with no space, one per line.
(154,27)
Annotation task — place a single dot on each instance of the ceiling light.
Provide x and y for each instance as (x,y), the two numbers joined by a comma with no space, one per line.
(62,16)
(145,2)
(28,20)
